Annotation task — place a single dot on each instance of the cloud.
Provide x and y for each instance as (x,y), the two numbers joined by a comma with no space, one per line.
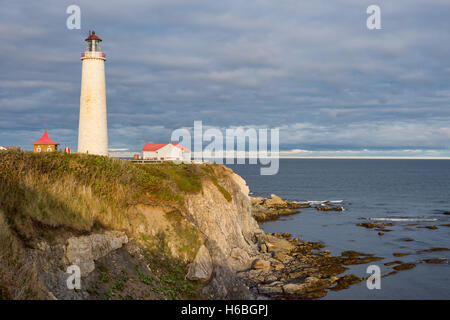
(310,68)
(394,135)
(367,154)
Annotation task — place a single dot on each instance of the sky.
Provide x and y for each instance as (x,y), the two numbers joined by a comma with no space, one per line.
(313,69)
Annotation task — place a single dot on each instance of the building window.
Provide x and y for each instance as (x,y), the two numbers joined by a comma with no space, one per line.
(38,149)
(49,149)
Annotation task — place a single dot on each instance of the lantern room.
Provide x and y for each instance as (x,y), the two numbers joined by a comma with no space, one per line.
(93,43)
(93,47)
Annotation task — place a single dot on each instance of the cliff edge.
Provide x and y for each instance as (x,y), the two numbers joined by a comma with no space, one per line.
(159,231)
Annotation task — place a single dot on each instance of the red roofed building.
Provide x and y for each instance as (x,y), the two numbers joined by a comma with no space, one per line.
(166,152)
(45,144)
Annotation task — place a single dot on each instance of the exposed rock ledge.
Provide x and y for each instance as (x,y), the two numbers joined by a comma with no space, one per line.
(82,251)
(264,209)
(202,267)
(290,268)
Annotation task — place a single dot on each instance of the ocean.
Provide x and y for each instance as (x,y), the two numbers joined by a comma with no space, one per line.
(411,194)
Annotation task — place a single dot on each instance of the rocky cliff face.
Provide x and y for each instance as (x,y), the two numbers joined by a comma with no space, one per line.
(229,231)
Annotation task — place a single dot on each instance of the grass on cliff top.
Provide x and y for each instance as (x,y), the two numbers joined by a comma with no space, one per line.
(80,191)
(17,278)
(213,172)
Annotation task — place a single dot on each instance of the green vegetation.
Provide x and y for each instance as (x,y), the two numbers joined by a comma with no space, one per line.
(157,276)
(104,275)
(2,294)
(184,235)
(82,192)
(222,190)
(212,173)
(17,277)
(186,177)
(169,280)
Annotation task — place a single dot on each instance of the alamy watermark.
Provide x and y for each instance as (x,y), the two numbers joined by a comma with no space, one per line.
(74,20)
(374,20)
(74,280)
(233,145)
(374,280)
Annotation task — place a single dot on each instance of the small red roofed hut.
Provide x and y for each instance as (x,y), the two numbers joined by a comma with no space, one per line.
(45,144)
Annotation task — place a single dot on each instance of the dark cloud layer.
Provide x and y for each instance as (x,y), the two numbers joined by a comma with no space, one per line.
(311,68)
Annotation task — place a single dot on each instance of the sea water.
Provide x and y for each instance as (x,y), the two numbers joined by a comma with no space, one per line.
(411,194)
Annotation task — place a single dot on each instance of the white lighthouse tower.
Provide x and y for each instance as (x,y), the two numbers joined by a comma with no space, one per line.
(93,130)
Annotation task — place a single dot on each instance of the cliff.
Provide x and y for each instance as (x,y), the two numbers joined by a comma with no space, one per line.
(160,231)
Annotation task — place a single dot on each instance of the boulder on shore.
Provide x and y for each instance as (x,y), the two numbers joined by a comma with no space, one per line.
(261,264)
(264,209)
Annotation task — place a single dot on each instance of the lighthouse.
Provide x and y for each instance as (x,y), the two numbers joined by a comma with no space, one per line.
(93,129)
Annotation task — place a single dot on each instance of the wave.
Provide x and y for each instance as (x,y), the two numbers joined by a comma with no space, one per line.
(319,201)
(403,219)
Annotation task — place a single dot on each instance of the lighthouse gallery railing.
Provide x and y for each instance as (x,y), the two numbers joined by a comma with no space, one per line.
(93,54)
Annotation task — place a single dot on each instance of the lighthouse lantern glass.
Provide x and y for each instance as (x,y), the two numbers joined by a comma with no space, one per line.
(93,45)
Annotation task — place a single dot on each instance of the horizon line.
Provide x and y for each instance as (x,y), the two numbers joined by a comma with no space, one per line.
(319,157)
(368,157)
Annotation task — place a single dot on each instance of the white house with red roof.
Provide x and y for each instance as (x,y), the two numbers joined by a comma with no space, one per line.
(3,148)
(166,152)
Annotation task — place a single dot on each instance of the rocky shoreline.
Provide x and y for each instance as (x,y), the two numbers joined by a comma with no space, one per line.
(267,209)
(289,268)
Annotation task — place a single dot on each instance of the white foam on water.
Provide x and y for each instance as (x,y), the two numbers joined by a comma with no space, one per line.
(316,202)
(403,219)
(319,201)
